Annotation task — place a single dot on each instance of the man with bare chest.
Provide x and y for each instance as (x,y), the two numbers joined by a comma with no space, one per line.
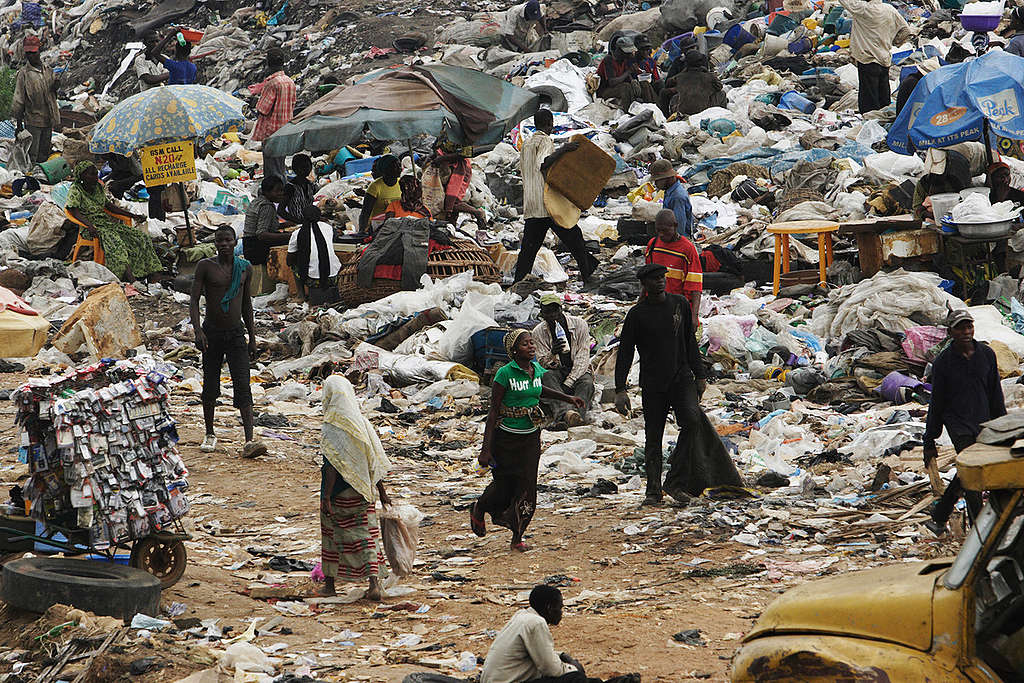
(224,281)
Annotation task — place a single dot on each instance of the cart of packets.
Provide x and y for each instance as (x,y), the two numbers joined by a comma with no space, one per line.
(105,471)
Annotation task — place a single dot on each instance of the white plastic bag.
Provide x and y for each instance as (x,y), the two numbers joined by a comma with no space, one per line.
(399,530)
(477,313)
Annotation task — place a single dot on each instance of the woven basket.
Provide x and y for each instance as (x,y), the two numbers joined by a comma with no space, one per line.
(464,255)
(791,198)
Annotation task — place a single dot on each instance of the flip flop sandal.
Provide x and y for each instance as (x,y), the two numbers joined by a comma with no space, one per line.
(478,525)
(520,547)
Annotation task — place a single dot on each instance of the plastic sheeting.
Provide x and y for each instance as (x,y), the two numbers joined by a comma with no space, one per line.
(893,301)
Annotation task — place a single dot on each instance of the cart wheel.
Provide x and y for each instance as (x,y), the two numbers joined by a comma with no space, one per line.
(163,559)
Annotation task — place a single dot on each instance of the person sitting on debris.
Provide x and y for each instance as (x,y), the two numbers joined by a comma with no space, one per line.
(34,103)
(694,88)
(524,650)
(220,335)
(128,251)
(672,374)
(620,76)
(298,192)
(312,259)
(523,29)
(262,232)
(998,179)
(453,173)
(563,349)
(124,173)
(965,393)
(647,67)
(668,248)
(537,155)
(181,69)
(511,445)
(677,199)
(354,466)
(381,191)
(1016,44)
(410,205)
(944,171)
(877,26)
(275,107)
(150,72)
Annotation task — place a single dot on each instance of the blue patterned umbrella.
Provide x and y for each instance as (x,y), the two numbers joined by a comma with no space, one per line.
(167,113)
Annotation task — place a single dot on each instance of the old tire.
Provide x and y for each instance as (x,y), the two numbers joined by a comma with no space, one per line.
(36,583)
(164,559)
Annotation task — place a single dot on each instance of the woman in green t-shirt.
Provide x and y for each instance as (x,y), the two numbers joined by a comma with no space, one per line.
(511,445)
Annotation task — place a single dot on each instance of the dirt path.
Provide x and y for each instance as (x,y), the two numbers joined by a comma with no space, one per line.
(628,575)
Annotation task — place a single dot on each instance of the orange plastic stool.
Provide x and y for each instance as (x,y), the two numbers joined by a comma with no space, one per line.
(782,231)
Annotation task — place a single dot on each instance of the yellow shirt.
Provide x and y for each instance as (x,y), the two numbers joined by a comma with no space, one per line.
(384,194)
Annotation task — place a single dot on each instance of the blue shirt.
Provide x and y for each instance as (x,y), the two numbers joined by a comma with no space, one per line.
(677,200)
(180,73)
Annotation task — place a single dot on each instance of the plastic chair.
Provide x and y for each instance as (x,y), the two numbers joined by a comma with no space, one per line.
(93,242)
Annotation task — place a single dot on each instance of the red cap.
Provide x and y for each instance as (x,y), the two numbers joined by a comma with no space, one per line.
(30,44)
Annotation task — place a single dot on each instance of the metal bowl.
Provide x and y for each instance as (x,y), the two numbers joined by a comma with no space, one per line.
(988,230)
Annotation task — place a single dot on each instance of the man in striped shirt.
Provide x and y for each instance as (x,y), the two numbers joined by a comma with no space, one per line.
(680,257)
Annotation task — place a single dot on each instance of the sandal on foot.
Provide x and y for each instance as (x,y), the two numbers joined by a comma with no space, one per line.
(520,547)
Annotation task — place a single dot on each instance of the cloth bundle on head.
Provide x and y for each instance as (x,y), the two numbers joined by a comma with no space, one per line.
(550,298)
(511,339)
(30,43)
(348,441)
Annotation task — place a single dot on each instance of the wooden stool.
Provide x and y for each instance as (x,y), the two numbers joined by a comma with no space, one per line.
(782,231)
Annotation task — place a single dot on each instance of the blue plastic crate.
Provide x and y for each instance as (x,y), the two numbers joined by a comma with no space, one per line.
(489,348)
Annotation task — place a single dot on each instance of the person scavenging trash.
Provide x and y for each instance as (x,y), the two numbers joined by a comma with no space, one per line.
(524,650)
(537,156)
(511,446)
(563,349)
(672,375)
(677,199)
(354,466)
(34,104)
(220,336)
(965,393)
(668,248)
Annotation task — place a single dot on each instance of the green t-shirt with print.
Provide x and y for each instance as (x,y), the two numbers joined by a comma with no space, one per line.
(520,391)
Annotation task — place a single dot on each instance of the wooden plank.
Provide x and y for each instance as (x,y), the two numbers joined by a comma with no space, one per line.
(869,253)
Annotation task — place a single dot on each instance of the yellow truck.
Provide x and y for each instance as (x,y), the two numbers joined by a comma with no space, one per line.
(956,619)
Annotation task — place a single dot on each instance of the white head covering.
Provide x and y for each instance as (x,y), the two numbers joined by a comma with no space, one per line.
(935,161)
(348,441)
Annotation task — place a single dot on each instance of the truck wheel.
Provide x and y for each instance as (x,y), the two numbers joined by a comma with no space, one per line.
(36,583)
(163,559)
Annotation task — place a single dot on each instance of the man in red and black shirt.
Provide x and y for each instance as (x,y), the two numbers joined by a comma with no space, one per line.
(680,257)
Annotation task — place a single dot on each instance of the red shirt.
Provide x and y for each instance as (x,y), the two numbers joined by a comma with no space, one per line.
(276,105)
(612,68)
(683,263)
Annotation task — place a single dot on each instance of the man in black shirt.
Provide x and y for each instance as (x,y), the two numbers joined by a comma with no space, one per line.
(965,393)
(660,328)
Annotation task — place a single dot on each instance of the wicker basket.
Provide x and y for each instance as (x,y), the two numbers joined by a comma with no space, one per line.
(464,255)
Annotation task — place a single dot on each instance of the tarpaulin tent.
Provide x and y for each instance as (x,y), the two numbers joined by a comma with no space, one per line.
(471,107)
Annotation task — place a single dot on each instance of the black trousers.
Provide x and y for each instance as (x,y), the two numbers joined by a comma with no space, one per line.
(229,345)
(534,232)
(873,89)
(680,397)
(944,508)
(156,202)
(573,677)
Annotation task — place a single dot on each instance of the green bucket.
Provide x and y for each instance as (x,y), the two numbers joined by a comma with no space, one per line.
(55,169)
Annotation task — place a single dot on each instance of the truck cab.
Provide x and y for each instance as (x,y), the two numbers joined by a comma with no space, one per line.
(956,619)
